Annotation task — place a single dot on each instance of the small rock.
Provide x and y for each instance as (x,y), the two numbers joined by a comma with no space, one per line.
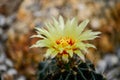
(118,53)
(111,60)
(102,65)
(1,32)
(53,12)
(4,37)
(12,72)
(37,14)
(95,24)
(3,67)
(3,23)
(81,6)
(2,20)
(9,63)
(113,74)
(21,78)
(10,19)
(2,58)
(6,76)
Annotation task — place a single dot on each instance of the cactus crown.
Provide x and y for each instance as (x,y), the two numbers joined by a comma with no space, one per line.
(66,47)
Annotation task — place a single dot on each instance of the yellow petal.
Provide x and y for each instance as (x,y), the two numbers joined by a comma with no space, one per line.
(34,46)
(81,46)
(88,35)
(49,52)
(42,31)
(83,25)
(61,21)
(65,57)
(79,53)
(89,45)
(70,52)
(61,49)
(38,36)
(53,54)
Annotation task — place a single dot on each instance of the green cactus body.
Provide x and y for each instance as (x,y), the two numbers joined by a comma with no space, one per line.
(75,70)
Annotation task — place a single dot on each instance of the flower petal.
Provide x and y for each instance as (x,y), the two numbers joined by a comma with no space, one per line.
(89,45)
(42,31)
(79,53)
(61,21)
(88,35)
(70,52)
(65,57)
(81,46)
(83,25)
(41,43)
(49,52)
(37,36)
(53,54)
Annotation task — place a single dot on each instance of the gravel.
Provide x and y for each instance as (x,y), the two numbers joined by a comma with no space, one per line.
(7,70)
(110,66)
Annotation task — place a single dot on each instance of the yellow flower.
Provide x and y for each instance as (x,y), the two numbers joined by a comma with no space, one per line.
(65,39)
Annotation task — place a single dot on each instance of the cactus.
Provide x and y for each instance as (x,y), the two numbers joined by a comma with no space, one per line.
(66,48)
(73,70)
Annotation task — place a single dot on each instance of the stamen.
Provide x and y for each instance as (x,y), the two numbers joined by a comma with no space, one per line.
(65,41)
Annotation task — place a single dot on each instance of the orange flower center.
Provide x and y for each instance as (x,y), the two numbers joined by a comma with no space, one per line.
(65,41)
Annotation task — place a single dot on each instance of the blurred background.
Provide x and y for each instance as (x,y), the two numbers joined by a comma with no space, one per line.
(19,17)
